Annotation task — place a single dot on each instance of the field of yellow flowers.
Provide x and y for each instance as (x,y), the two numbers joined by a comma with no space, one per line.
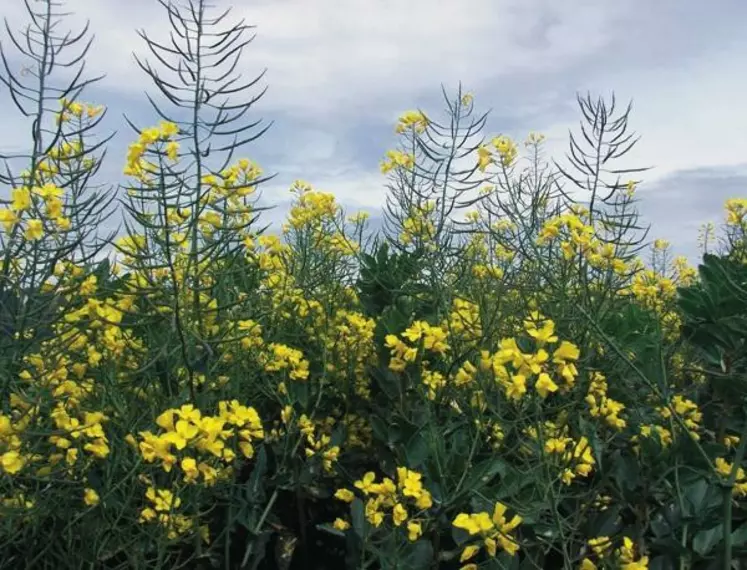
(507,374)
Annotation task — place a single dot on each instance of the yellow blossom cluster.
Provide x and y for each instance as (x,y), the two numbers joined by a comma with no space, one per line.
(601,405)
(397,159)
(162,510)
(580,238)
(138,166)
(463,322)
(432,338)
(495,532)
(190,440)
(349,341)
(418,226)
(736,212)
(318,441)
(35,208)
(283,357)
(724,468)
(504,147)
(653,290)
(625,556)
(412,120)
(575,455)
(540,365)
(688,413)
(404,500)
(12,458)
(311,208)
(78,109)
(652,432)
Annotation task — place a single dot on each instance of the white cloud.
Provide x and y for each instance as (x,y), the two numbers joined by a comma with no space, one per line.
(335,69)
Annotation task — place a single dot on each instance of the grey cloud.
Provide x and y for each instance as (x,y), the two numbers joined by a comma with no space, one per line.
(678,205)
(340,72)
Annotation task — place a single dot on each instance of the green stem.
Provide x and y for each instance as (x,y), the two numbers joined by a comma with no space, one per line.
(728,490)
(258,527)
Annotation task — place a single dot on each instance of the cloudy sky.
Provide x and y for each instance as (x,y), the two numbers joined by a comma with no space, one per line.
(340,72)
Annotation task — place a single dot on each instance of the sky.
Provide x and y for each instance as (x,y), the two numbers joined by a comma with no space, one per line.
(339,73)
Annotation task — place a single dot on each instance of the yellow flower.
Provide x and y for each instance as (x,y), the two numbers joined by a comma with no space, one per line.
(424,501)
(484,158)
(345,495)
(373,512)
(414,531)
(399,514)
(473,524)
(168,129)
(91,497)
(341,524)
(172,150)
(21,199)
(189,466)
(8,218)
(34,230)
(366,483)
(12,462)
(469,552)
(545,385)
(517,387)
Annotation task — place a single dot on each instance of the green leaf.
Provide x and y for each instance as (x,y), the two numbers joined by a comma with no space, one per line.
(254,486)
(379,428)
(484,472)
(694,496)
(705,540)
(358,517)
(418,555)
(259,549)
(625,471)
(417,451)
(606,522)
(387,381)
(739,536)
(661,563)
(459,535)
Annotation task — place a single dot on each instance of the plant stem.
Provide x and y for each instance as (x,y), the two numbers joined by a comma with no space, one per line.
(729,488)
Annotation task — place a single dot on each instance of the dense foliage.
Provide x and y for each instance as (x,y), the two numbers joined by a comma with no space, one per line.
(496,378)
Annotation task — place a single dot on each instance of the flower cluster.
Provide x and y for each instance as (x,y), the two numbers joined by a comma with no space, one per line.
(601,405)
(540,365)
(495,532)
(420,333)
(736,212)
(575,456)
(162,510)
(412,120)
(687,411)
(397,159)
(36,209)
(724,468)
(625,556)
(190,440)
(282,357)
(404,500)
(138,166)
(504,147)
(418,226)
(318,441)
(579,238)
